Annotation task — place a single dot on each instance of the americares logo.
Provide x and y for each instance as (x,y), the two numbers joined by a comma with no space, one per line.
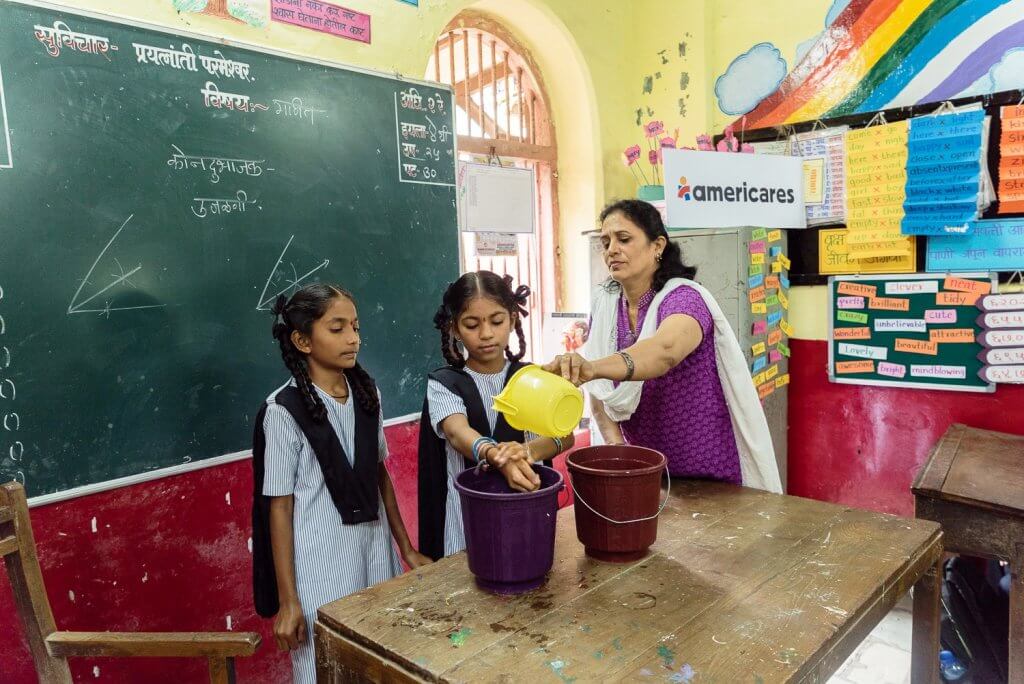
(684,189)
(733,193)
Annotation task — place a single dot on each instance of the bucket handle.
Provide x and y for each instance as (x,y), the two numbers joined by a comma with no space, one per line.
(668,491)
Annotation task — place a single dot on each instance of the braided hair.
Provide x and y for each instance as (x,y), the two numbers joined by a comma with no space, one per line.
(465,289)
(305,307)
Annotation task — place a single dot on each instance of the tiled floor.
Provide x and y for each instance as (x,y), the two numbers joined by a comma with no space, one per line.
(884,657)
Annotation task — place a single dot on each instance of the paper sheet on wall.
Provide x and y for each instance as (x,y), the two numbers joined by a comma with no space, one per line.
(996,245)
(875,180)
(824,173)
(833,256)
(1011,160)
(773,147)
(944,186)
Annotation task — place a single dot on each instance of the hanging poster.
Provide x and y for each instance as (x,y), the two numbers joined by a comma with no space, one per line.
(824,156)
(1010,189)
(943,174)
(876,177)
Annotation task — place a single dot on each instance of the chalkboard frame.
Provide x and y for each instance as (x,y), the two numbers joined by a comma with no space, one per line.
(886,277)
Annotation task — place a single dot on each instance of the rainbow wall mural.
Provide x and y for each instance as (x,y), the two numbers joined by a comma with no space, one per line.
(877,54)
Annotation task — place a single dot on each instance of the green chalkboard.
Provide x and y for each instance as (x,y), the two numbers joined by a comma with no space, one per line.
(910,330)
(157,191)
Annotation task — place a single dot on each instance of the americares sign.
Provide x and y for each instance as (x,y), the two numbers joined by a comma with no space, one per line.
(723,190)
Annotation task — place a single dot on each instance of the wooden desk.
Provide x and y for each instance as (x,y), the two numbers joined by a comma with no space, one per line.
(741,586)
(973,485)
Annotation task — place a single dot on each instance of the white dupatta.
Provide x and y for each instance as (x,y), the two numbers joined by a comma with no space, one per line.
(753,440)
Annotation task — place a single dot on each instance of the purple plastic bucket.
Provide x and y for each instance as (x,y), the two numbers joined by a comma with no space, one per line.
(510,536)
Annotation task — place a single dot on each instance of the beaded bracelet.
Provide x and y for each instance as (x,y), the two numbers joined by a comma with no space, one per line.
(478,443)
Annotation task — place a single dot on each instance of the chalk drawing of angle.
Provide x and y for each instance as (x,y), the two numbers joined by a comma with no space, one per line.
(6,159)
(79,305)
(264,302)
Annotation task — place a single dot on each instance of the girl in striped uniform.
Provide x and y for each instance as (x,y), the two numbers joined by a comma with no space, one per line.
(324,509)
(459,428)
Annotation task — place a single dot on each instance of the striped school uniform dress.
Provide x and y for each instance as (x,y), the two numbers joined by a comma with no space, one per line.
(331,560)
(442,403)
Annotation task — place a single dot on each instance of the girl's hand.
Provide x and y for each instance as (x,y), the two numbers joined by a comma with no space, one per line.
(572,367)
(506,452)
(414,559)
(289,626)
(520,476)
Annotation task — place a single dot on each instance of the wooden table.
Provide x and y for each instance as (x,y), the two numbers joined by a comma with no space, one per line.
(741,586)
(973,485)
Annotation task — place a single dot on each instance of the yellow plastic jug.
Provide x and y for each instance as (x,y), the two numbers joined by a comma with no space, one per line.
(541,402)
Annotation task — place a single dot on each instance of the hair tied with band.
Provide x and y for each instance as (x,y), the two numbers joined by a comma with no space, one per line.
(520,297)
(279,306)
(441,318)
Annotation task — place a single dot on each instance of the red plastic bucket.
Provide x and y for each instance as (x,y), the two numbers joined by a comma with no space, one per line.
(510,536)
(617,491)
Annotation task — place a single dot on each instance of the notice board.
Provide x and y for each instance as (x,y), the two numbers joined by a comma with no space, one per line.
(913,330)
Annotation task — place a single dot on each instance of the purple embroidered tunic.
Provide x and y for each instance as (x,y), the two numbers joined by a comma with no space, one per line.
(683,414)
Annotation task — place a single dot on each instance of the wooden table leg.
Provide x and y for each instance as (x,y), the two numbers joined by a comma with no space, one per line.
(1016,664)
(927,614)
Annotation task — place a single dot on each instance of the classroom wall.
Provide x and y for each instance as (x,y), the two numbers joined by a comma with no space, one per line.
(855,445)
(172,554)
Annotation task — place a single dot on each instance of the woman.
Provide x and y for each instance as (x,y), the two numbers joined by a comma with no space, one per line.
(665,369)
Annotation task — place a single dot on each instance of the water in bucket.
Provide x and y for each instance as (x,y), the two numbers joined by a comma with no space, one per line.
(510,535)
(618,499)
(541,402)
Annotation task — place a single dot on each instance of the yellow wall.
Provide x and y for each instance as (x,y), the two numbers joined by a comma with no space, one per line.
(738,25)
(784,23)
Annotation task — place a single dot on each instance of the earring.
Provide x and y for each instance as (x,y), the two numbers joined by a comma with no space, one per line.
(658,258)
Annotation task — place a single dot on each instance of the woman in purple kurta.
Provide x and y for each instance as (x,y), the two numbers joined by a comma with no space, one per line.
(682,410)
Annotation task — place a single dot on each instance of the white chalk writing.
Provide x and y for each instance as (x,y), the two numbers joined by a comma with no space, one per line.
(203,206)
(59,37)
(215,98)
(180,161)
(296,108)
(184,59)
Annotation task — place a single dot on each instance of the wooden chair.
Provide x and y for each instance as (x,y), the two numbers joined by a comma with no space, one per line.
(51,648)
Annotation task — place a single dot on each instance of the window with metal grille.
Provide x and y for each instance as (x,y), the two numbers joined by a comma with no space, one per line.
(502,117)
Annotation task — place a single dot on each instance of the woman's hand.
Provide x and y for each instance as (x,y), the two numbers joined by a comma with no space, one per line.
(572,367)
(505,452)
(414,559)
(520,476)
(289,626)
